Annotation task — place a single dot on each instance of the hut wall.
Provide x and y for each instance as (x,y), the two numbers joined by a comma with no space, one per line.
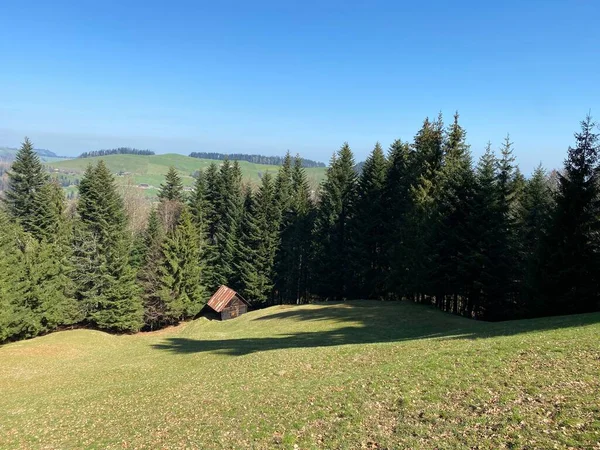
(235,308)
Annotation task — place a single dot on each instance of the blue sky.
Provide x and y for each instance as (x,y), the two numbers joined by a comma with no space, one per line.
(264,77)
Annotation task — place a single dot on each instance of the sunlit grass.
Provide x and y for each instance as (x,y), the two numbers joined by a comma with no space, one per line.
(359,374)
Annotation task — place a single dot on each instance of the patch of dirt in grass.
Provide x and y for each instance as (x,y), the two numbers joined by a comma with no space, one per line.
(167,330)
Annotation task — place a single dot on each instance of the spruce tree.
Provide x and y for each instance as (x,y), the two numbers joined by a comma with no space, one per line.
(283,198)
(427,162)
(225,207)
(535,219)
(369,227)
(107,285)
(506,250)
(572,278)
(397,198)
(199,205)
(25,178)
(182,289)
(483,300)
(171,199)
(332,227)
(211,200)
(247,278)
(47,211)
(172,188)
(262,239)
(149,274)
(452,233)
(13,284)
(49,293)
(284,189)
(293,269)
(35,287)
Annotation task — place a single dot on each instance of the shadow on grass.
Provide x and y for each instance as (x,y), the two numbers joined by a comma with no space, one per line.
(366,322)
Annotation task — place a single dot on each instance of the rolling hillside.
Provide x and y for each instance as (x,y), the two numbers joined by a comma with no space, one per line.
(347,375)
(150,170)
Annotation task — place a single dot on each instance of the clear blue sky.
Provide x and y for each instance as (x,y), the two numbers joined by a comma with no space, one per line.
(264,77)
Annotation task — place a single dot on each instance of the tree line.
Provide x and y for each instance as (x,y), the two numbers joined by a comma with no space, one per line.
(255,159)
(116,151)
(420,223)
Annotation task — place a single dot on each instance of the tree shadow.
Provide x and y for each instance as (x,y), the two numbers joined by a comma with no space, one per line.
(368,322)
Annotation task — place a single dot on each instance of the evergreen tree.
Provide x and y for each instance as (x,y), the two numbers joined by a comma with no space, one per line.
(293,271)
(369,226)
(483,296)
(454,209)
(284,189)
(211,200)
(35,288)
(397,197)
(49,292)
(172,188)
(47,211)
(572,274)
(13,284)
(506,249)
(171,199)
(25,179)
(283,198)
(333,237)
(107,285)
(149,274)
(225,207)
(262,238)
(182,290)
(535,218)
(199,205)
(247,278)
(427,162)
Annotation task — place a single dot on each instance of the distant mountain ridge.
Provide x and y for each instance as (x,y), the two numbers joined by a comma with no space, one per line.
(9,153)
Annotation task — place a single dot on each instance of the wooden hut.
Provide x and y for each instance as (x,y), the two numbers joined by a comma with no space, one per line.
(227,303)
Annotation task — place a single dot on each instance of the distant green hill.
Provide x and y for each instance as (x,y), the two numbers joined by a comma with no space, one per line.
(148,171)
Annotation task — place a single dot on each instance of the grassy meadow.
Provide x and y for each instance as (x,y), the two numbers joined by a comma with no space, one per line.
(150,170)
(344,375)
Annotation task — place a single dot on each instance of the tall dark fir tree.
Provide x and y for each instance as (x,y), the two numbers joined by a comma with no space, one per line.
(261,241)
(293,273)
(171,197)
(535,218)
(333,244)
(572,275)
(397,199)
(182,287)
(172,188)
(368,227)
(25,179)
(453,216)
(106,282)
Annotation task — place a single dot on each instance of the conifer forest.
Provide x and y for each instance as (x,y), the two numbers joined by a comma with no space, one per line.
(422,222)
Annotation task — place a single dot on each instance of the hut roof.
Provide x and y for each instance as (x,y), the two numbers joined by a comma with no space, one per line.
(222,297)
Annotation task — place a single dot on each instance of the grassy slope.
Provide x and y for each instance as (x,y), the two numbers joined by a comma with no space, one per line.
(337,376)
(151,169)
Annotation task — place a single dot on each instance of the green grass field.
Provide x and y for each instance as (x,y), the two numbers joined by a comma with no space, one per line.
(152,169)
(347,375)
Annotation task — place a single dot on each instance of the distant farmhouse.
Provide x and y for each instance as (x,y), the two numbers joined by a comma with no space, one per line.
(227,304)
